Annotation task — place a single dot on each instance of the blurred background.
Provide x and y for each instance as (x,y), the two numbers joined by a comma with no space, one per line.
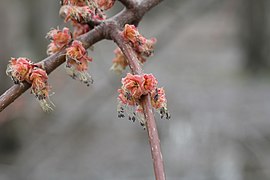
(212,57)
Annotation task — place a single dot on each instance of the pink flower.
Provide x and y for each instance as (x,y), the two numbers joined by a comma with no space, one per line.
(142,46)
(80,29)
(59,39)
(133,84)
(81,14)
(159,102)
(77,62)
(75,2)
(40,87)
(125,98)
(19,69)
(77,52)
(131,33)
(150,83)
(105,4)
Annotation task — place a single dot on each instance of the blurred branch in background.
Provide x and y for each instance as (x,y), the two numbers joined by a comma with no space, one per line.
(255,34)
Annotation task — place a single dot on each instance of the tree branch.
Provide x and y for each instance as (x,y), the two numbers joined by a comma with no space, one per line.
(109,29)
(129,4)
(146,104)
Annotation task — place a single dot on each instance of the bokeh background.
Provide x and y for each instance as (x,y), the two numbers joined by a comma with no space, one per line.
(212,57)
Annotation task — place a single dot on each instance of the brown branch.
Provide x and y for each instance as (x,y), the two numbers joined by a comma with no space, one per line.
(129,4)
(49,64)
(146,104)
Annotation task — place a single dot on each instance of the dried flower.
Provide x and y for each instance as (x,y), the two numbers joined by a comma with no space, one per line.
(77,62)
(40,87)
(59,39)
(19,69)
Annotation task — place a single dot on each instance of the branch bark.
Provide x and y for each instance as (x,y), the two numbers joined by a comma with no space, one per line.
(146,104)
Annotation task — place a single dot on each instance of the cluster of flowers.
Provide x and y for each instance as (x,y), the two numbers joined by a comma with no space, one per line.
(143,47)
(133,88)
(22,69)
(81,12)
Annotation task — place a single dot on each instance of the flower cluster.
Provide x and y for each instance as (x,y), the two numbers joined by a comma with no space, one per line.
(58,39)
(82,12)
(143,47)
(133,88)
(77,62)
(22,69)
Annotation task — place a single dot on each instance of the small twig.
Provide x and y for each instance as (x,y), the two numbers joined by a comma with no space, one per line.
(146,104)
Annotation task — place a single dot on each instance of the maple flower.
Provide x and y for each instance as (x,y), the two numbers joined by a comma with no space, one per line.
(77,62)
(81,14)
(134,85)
(105,4)
(59,39)
(80,29)
(40,87)
(150,83)
(75,2)
(131,33)
(119,62)
(146,46)
(159,102)
(19,69)
(142,46)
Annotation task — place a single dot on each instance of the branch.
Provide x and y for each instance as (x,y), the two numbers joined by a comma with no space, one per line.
(109,29)
(129,4)
(49,64)
(146,104)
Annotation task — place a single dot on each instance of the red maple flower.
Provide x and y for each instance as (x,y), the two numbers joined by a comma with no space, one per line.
(19,69)
(59,39)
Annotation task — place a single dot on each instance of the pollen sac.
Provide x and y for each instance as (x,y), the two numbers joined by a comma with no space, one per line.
(77,62)
(19,69)
(40,88)
(58,39)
